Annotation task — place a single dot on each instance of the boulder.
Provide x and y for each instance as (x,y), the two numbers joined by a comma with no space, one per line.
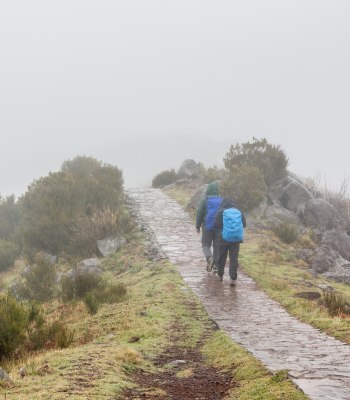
(189,169)
(320,214)
(196,198)
(276,215)
(338,241)
(88,266)
(110,244)
(3,375)
(291,193)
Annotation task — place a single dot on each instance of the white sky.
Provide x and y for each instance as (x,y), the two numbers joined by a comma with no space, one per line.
(145,84)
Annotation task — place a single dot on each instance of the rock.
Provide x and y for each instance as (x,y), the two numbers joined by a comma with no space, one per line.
(326,288)
(110,244)
(320,214)
(305,254)
(89,266)
(22,372)
(189,169)
(338,241)
(175,363)
(4,376)
(26,270)
(196,198)
(277,215)
(291,192)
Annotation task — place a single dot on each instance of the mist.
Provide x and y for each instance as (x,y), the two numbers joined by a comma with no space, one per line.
(145,85)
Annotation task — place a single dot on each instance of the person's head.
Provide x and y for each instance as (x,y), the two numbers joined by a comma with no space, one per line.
(212,189)
(227,203)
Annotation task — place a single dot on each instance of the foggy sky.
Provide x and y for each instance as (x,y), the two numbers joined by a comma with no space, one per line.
(145,84)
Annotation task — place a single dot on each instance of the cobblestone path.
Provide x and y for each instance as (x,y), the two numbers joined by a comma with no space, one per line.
(317,363)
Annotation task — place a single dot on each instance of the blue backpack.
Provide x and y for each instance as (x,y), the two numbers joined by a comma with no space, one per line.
(213,205)
(232,230)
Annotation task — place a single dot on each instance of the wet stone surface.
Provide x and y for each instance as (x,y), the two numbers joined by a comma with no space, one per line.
(317,363)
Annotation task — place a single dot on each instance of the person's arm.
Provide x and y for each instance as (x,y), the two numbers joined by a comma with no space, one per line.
(200,214)
(244,221)
(219,220)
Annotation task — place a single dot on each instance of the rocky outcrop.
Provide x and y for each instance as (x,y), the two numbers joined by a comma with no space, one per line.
(110,244)
(332,257)
(291,193)
(189,169)
(3,375)
(320,214)
(276,215)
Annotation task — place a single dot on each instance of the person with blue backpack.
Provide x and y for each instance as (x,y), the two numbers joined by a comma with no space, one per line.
(205,219)
(230,223)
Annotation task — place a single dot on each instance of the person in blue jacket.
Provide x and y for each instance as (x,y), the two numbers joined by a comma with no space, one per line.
(230,223)
(205,219)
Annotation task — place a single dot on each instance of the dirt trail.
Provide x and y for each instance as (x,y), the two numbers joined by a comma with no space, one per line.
(317,363)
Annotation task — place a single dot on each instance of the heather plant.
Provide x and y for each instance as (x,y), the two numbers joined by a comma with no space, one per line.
(54,205)
(269,159)
(286,232)
(40,279)
(246,187)
(164,178)
(9,251)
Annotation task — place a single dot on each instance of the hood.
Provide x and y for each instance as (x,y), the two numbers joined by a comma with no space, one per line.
(212,189)
(227,203)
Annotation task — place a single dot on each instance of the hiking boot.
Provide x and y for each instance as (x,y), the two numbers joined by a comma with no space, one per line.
(233,282)
(215,269)
(221,278)
(210,263)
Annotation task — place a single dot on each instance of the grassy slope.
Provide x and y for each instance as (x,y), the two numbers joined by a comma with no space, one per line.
(103,359)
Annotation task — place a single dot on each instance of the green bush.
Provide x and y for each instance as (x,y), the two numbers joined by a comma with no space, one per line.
(13,324)
(8,253)
(212,174)
(40,280)
(53,206)
(49,335)
(79,285)
(286,232)
(269,159)
(246,187)
(9,217)
(164,178)
(336,304)
(91,303)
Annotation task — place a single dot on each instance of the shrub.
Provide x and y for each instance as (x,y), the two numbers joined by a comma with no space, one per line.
(91,303)
(212,174)
(8,253)
(336,304)
(79,285)
(164,178)
(9,217)
(246,187)
(40,280)
(267,158)
(13,323)
(286,232)
(100,224)
(50,335)
(53,204)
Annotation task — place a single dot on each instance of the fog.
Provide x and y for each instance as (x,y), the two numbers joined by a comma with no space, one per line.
(145,84)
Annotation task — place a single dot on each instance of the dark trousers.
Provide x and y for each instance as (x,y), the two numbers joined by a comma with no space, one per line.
(232,249)
(209,240)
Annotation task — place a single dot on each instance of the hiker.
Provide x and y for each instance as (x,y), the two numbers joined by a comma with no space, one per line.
(230,223)
(205,218)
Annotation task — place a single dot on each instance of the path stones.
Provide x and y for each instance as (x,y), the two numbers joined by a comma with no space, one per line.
(318,364)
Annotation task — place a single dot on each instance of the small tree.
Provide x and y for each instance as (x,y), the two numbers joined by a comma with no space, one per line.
(8,253)
(267,158)
(246,187)
(9,217)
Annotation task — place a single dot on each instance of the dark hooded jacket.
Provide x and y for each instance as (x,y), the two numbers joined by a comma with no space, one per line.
(226,203)
(212,190)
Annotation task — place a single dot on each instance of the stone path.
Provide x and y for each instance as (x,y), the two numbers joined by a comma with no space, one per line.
(317,363)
